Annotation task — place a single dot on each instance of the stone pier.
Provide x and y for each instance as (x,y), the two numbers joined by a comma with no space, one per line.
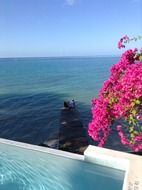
(72,134)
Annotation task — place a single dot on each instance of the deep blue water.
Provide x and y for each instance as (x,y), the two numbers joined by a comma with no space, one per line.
(32,91)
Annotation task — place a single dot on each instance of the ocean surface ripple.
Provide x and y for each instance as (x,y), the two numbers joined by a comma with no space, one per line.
(32,92)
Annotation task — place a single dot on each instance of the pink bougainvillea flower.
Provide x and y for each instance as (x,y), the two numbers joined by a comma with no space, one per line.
(125,39)
(120,97)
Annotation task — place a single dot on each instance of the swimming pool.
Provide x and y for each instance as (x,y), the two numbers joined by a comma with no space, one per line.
(26,169)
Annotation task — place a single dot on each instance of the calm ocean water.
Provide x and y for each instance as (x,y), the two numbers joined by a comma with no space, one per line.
(32,91)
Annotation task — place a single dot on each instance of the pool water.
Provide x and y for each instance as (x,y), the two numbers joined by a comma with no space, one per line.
(24,169)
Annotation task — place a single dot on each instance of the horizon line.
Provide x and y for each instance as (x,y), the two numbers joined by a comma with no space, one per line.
(66,56)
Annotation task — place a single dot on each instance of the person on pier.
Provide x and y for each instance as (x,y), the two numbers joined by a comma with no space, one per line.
(72,104)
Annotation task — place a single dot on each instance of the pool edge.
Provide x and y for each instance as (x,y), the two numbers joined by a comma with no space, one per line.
(42,149)
(131,164)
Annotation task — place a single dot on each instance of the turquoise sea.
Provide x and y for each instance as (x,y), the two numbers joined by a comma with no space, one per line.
(32,92)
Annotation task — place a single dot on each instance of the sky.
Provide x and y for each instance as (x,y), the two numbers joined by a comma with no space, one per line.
(49,28)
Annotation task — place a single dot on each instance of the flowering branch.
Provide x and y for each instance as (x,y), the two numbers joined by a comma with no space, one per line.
(120,97)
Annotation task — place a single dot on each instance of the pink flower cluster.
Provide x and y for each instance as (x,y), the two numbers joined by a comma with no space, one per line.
(136,145)
(120,97)
(125,39)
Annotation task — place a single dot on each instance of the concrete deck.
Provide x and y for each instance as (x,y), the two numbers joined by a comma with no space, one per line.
(72,135)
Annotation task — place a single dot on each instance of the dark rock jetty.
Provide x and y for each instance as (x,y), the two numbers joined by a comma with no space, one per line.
(72,135)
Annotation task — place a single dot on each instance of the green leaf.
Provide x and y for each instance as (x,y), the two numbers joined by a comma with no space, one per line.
(138,102)
(132,135)
(140,57)
(134,112)
(135,132)
(131,129)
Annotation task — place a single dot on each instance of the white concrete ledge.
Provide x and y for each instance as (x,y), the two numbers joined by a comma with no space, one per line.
(131,164)
(96,155)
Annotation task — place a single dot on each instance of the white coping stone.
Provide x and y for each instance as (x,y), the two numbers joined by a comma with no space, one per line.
(42,149)
(131,164)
